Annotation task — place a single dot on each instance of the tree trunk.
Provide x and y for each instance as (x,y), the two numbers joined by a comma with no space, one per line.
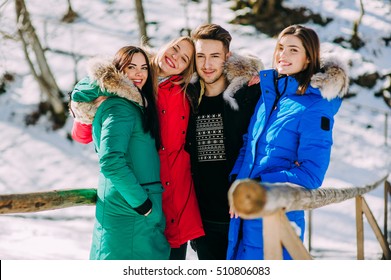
(356,41)
(71,15)
(141,22)
(267,8)
(41,70)
(209,11)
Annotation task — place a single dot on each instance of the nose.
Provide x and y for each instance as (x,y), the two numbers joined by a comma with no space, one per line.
(282,53)
(206,63)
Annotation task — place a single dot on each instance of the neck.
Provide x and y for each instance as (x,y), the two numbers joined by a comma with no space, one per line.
(215,88)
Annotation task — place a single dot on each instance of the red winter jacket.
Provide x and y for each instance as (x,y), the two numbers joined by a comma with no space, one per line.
(183,220)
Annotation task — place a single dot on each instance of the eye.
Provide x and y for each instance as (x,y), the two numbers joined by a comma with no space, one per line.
(131,67)
(145,68)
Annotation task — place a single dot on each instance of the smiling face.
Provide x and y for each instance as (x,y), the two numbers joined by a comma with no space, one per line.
(290,56)
(137,70)
(175,59)
(210,58)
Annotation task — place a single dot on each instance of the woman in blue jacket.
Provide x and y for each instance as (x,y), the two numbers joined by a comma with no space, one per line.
(289,138)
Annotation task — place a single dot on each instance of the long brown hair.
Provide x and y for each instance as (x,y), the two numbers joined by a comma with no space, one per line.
(121,60)
(311,44)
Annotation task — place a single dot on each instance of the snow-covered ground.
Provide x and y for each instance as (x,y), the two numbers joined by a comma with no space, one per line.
(34,158)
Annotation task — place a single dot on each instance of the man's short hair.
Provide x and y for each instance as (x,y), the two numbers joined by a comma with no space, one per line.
(212,32)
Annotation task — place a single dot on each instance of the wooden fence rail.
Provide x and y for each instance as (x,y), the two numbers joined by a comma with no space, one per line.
(43,201)
(251,199)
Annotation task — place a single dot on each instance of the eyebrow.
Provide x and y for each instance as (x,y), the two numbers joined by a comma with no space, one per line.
(216,53)
(290,46)
(145,64)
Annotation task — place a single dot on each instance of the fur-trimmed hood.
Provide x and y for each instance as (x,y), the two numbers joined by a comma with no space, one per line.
(103,80)
(333,80)
(238,69)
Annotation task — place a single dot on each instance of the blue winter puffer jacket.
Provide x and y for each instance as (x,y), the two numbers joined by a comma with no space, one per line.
(289,139)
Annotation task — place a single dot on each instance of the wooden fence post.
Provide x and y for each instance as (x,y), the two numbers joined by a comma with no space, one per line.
(380,237)
(359,228)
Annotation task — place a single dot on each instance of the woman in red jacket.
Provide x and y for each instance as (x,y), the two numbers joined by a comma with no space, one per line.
(174,65)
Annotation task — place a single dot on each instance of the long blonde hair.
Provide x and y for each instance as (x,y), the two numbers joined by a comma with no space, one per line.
(187,74)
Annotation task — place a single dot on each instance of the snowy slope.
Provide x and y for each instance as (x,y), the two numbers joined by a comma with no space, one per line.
(35,158)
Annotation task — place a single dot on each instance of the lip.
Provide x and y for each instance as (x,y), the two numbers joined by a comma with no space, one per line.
(137,82)
(208,73)
(169,62)
(284,63)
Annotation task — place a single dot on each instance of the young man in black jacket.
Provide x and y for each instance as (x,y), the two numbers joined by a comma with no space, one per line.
(225,106)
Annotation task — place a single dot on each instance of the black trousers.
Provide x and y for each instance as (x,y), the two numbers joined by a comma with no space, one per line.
(212,246)
(179,253)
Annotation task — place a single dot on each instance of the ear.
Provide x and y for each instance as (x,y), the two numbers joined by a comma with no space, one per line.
(228,55)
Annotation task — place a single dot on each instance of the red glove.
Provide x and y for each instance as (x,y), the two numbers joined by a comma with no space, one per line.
(81,132)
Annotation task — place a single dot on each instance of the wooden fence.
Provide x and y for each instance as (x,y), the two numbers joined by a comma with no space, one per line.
(249,199)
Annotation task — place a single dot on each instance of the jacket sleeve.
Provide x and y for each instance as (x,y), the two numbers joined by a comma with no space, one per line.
(87,91)
(118,119)
(81,132)
(239,160)
(315,141)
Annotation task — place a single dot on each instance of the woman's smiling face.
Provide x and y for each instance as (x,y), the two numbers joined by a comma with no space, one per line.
(175,59)
(291,57)
(137,70)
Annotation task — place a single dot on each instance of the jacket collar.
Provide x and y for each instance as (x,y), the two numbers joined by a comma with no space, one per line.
(331,82)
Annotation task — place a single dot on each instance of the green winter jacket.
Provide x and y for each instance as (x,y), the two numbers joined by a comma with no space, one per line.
(129,181)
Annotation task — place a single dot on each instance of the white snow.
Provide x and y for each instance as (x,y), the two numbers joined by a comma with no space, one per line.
(35,158)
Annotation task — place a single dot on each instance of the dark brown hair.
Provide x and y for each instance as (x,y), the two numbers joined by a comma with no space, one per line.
(311,44)
(121,60)
(212,32)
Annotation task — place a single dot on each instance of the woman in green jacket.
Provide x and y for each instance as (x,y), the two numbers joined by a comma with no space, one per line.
(129,223)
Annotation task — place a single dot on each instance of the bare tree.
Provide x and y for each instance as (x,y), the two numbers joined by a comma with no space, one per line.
(266,7)
(40,69)
(141,21)
(356,41)
(209,9)
(71,15)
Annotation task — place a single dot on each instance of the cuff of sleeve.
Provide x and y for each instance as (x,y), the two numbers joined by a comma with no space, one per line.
(144,208)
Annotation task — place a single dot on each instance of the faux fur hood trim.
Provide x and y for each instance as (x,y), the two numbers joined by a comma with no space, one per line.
(333,80)
(112,80)
(239,69)
(103,72)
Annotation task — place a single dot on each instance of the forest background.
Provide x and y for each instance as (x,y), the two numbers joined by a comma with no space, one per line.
(43,51)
